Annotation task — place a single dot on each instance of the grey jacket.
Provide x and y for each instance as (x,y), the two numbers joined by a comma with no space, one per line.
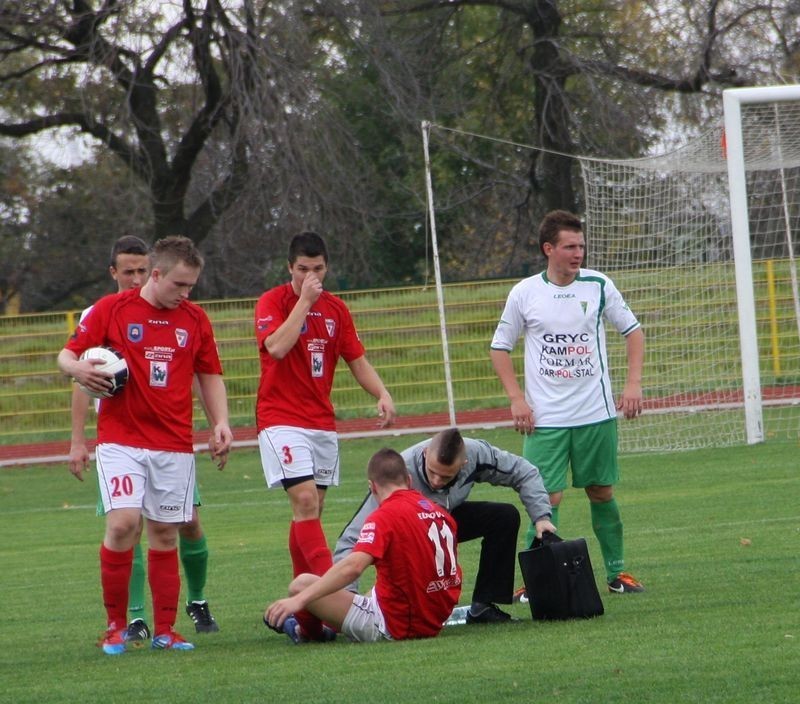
(485,463)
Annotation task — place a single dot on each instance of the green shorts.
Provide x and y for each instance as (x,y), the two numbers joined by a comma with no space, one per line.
(102,512)
(590,451)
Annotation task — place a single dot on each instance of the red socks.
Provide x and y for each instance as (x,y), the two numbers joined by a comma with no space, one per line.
(310,553)
(299,564)
(115,574)
(165,586)
(310,543)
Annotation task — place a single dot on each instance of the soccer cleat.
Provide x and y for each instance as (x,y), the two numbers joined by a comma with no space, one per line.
(204,622)
(272,628)
(292,629)
(113,641)
(625,583)
(296,634)
(137,633)
(489,614)
(520,596)
(171,641)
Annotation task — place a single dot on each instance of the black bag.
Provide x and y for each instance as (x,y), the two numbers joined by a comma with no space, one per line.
(559,579)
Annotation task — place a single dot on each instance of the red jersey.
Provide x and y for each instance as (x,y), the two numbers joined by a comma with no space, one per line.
(413,542)
(296,390)
(164,348)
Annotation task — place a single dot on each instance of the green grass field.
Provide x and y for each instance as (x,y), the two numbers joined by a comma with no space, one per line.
(713,534)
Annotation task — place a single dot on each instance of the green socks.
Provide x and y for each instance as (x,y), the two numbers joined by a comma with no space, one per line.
(136,585)
(194,558)
(607,526)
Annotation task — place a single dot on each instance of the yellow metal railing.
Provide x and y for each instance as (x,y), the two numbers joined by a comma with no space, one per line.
(688,314)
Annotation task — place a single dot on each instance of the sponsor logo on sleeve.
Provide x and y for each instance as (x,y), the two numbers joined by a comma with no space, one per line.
(366,537)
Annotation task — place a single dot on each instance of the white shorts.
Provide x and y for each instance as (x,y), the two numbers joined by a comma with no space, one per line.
(295,453)
(159,483)
(364,620)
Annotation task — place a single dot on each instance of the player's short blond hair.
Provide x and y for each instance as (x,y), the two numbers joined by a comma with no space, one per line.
(169,251)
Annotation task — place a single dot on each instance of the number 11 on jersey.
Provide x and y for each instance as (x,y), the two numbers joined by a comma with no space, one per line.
(437,535)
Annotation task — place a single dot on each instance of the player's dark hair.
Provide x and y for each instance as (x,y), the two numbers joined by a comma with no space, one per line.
(307,244)
(387,467)
(555,221)
(168,251)
(127,244)
(449,446)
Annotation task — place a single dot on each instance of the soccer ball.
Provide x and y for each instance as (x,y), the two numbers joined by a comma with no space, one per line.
(114,363)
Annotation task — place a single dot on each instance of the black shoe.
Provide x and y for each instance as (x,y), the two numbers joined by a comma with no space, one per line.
(203,620)
(273,628)
(489,614)
(137,633)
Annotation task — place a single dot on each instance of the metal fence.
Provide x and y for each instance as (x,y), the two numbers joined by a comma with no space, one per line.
(692,381)
(399,327)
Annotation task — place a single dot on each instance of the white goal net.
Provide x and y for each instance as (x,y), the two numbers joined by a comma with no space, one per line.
(721,319)
(662,227)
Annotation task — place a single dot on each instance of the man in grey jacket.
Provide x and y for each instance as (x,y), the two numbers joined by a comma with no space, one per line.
(444,469)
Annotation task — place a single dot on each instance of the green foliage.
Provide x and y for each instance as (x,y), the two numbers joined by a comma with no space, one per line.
(249,121)
(712,534)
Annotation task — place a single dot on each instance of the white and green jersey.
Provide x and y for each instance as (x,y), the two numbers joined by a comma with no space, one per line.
(566,363)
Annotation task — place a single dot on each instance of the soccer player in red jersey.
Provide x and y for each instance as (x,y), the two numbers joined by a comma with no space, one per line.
(412,543)
(302,331)
(145,459)
(129,269)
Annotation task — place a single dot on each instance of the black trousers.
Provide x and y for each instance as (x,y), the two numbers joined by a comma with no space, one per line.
(498,525)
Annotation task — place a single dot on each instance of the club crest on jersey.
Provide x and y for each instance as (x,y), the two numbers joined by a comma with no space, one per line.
(583,307)
(330,326)
(304,329)
(135,332)
(425,505)
(158,374)
(182,336)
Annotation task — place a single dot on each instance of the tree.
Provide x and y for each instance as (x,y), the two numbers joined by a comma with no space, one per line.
(603,78)
(117,69)
(245,121)
(79,213)
(15,200)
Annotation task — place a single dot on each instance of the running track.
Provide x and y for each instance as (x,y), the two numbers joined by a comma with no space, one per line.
(57,451)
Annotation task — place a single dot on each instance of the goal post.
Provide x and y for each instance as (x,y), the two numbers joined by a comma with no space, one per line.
(733,99)
(700,240)
(708,225)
